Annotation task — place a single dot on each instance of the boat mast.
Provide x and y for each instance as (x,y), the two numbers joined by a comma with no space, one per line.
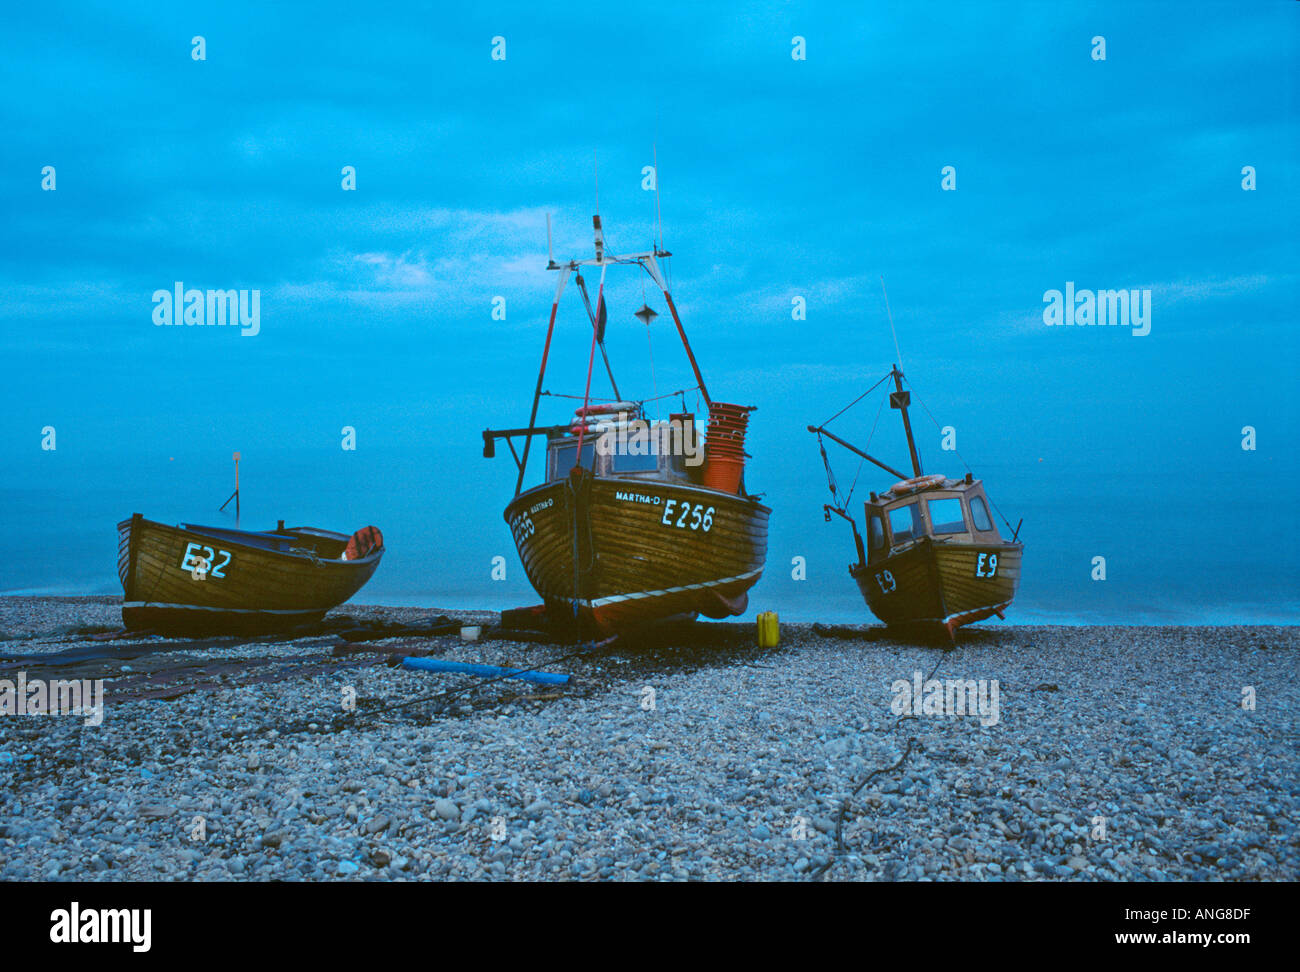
(541,372)
(649,262)
(235,495)
(900,399)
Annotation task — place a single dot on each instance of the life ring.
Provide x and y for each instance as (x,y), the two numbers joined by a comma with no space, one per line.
(917,483)
(604,408)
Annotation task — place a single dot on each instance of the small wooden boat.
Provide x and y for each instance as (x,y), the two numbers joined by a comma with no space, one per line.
(206,579)
(933,557)
(634,521)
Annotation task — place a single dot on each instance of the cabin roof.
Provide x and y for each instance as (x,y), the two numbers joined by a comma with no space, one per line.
(948,485)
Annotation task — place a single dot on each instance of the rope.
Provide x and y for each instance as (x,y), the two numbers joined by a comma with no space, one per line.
(844,806)
(856,476)
(654,386)
(577,398)
(597,398)
(591,363)
(830,474)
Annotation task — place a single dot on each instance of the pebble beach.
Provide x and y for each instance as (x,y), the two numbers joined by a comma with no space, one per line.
(1116,753)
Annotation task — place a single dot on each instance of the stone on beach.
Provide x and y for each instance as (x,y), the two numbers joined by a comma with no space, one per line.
(1118,754)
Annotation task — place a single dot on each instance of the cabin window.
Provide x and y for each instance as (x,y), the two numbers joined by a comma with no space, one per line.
(625,460)
(563,457)
(875,531)
(905,522)
(980,514)
(945,515)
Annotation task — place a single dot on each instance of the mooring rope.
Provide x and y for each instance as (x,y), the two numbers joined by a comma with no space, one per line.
(848,800)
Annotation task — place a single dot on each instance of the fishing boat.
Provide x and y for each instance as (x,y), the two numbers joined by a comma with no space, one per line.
(192,579)
(933,558)
(635,519)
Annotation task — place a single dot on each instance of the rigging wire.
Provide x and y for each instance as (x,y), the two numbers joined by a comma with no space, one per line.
(654,384)
(591,363)
(856,400)
(597,398)
(927,411)
(830,475)
(861,462)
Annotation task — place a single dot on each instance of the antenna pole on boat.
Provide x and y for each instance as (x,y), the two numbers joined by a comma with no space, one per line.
(659,213)
(900,399)
(235,495)
(897,353)
(541,375)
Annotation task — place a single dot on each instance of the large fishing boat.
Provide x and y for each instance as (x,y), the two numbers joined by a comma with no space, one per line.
(194,579)
(634,520)
(933,557)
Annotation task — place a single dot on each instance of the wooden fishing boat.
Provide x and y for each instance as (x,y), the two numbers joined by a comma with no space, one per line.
(190,578)
(635,521)
(933,557)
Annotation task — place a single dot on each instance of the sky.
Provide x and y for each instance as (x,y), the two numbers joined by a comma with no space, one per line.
(779,178)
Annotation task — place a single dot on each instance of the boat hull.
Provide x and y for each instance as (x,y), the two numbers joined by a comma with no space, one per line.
(941,586)
(646,550)
(246,588)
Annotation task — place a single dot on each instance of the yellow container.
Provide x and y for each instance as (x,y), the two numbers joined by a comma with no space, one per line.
(769,630)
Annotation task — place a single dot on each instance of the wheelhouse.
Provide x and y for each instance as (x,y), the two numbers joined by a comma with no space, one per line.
(954,510)
(627,446)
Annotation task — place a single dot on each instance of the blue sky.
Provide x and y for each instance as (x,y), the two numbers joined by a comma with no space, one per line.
(779,178)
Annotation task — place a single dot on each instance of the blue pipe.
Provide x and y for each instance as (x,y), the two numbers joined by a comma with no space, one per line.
(438,665)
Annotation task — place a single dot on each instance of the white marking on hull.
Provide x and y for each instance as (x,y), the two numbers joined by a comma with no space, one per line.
(618,598)
(960,614)
(221,610)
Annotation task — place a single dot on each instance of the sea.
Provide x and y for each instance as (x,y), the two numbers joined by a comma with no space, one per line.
(1166,546)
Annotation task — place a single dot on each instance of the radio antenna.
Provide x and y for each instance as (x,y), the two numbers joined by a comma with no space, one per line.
(659,213)
(891,320)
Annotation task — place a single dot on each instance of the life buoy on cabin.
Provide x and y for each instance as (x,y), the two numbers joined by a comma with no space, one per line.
(363,543)
(604,408)
(918,482)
